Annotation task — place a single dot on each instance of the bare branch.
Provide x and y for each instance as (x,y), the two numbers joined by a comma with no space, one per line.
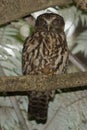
(14,9)
(77,62)
(42,82)
(19,114)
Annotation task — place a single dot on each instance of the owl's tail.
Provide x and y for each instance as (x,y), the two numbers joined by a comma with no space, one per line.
(38,106)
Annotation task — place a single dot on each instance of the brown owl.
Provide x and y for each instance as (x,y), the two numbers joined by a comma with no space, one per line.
(44,52)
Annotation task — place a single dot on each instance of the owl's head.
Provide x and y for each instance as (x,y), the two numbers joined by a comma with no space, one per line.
(50,22)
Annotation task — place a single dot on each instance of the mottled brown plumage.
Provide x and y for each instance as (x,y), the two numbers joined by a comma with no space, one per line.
(45,51)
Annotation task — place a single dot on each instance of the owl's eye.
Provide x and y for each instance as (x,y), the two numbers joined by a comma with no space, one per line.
(55,22)
(43,23)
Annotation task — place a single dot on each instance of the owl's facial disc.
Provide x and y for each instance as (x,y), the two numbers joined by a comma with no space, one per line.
(50,22)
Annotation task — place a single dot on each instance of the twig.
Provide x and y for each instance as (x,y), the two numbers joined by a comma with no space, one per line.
(19,113)
(77,62)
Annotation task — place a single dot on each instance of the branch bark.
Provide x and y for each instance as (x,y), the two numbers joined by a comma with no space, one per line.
(42,82)
(15,9)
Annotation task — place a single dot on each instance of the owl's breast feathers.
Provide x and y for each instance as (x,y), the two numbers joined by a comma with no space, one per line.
(45,53)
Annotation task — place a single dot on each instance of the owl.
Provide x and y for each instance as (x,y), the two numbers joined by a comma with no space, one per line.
(44,52)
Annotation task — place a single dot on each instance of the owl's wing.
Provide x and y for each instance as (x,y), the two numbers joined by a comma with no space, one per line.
(30,45)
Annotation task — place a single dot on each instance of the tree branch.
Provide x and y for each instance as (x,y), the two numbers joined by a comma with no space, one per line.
(14,9)
(42,82)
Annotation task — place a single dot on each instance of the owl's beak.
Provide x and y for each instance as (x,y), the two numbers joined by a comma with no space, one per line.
(48,27)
